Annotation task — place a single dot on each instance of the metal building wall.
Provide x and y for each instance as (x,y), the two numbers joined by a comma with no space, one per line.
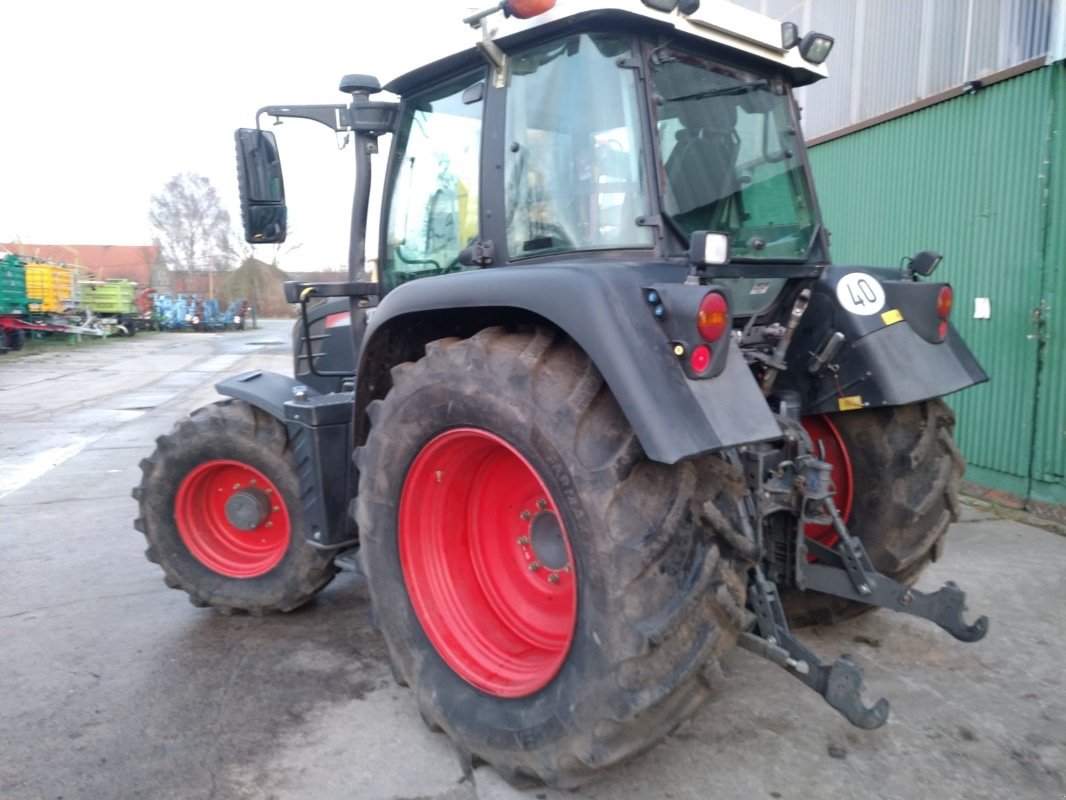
(980,179)
(891,53)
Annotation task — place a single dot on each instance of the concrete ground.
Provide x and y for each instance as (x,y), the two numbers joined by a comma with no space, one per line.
(112,686)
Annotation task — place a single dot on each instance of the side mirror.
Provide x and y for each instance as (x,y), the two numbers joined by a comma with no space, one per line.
(924,263)
(262,189)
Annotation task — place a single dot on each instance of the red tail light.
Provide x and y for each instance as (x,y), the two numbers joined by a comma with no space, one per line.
(700,359)
(712,319)
(944,301)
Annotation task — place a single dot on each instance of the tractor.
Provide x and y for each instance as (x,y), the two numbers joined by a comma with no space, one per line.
(607,408)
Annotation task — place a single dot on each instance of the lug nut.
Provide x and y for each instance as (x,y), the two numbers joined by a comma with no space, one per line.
(542,504)
(553,578)
(527,516)
(534,566)
(523,541)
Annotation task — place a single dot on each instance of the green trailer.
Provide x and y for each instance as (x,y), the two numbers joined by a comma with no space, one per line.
(12,286)
(14,305)
(113,302)
(109,297)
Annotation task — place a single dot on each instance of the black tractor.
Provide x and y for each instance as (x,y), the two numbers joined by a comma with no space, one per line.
(607,407)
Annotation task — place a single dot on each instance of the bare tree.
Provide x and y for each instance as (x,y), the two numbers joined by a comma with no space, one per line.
(194,227)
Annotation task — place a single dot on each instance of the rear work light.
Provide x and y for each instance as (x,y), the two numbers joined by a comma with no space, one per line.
(944,302)
(712,319)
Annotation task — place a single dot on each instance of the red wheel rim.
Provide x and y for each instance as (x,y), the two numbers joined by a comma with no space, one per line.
(232,518)
(487,562)
(829,446)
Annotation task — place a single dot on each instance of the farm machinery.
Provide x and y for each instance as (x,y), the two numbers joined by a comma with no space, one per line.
(191,312)
(610,408)
(39,299)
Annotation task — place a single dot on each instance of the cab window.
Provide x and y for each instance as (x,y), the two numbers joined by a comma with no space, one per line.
(433,210)
(574,165)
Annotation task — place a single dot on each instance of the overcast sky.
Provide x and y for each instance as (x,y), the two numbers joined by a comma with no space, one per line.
(102,102)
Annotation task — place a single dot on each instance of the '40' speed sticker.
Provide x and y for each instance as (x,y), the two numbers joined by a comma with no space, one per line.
(860,293)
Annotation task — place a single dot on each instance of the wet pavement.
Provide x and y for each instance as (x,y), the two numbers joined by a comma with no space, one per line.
(113,686)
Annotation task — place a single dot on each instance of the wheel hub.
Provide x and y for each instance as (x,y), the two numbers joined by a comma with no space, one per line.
(546,537)
(247,509)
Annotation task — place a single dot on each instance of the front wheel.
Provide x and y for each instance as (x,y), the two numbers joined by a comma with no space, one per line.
(220,507)
(897,472)
(556,600)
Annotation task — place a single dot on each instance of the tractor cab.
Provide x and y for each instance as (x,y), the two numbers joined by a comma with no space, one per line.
(618,140)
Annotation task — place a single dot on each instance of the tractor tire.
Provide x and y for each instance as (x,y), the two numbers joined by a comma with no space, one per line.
(901,469)
(557,601)
(220,507)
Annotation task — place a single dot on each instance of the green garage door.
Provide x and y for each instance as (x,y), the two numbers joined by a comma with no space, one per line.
(979,178)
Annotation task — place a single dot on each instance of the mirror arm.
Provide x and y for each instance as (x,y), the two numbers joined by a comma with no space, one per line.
(361,116)
(335,117)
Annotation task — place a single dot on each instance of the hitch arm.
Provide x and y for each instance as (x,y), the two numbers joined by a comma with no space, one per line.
(944,606)
(839,683)
(846,572)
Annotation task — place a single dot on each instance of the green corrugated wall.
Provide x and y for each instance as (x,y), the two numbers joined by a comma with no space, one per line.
(979,178)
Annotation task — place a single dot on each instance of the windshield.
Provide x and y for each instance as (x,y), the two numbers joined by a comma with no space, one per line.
(729,152)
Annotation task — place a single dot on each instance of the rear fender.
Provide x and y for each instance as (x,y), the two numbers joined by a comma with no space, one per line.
(890,354)
(603,308)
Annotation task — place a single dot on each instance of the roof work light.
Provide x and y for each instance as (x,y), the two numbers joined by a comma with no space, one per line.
(815,47)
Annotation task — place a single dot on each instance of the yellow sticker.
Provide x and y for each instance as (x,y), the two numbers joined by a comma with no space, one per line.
(852,403)
(892,316)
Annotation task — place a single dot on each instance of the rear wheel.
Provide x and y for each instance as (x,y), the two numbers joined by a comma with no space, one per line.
(897,472)
(219,506)
(556,600)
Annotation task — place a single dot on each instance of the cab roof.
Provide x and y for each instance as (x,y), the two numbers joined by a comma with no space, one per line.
(727,30)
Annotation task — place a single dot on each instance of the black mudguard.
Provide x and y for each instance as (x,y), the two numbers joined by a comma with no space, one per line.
(319,427)
(268,391)
(603,309)
(890,357)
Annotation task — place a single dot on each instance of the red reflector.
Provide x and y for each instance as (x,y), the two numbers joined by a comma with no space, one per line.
(524,9)
(700,359)
(713,317)
(340,318)
(942,331)
(944,301)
